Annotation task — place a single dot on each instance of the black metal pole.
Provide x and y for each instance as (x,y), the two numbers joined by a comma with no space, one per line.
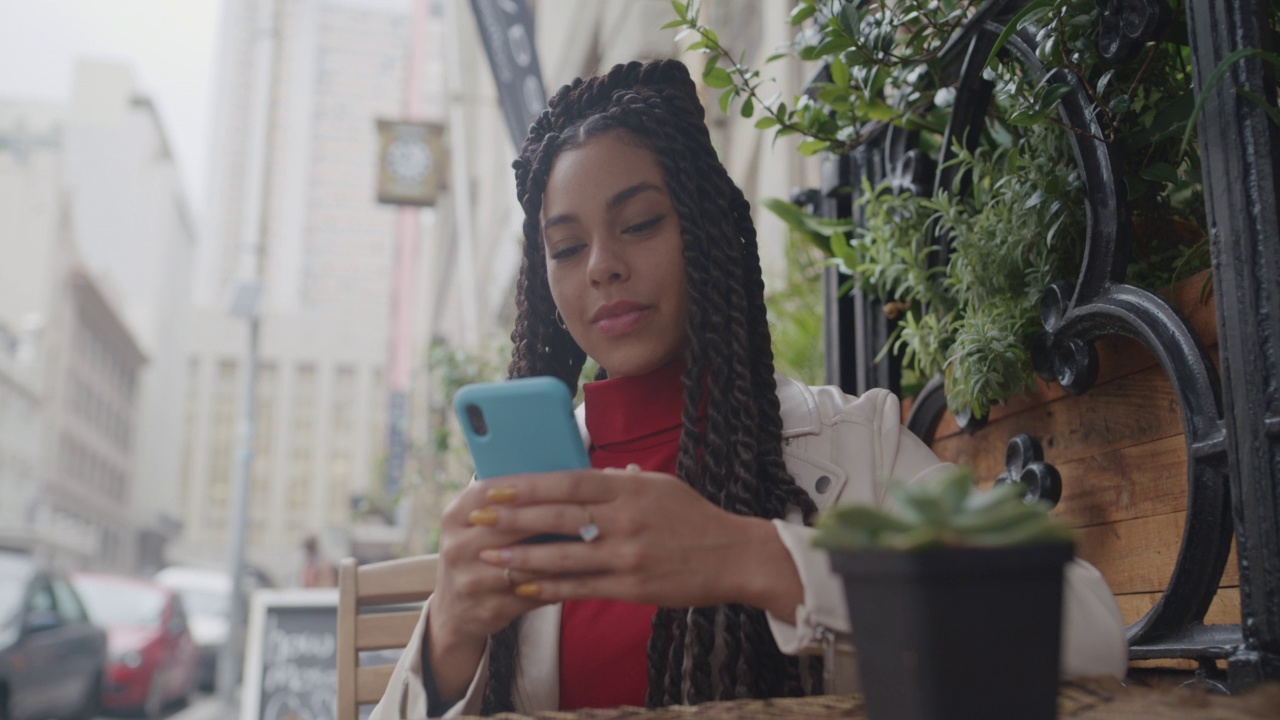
(1240,150)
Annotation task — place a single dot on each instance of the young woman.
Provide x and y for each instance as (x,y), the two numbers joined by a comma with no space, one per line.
(697,581)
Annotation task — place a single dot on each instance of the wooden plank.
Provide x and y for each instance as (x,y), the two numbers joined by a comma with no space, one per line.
(371,683)
(404,580)
(1138,556)
(1139,410)
(1224,610)
(384,631)
(1196,301)
(1137,481)
(348,656)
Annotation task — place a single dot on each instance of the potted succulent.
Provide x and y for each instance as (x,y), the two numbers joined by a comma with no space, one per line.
(955,599)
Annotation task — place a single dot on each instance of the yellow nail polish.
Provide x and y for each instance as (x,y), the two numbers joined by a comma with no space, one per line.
(503,494)
(528,590)
(483,516)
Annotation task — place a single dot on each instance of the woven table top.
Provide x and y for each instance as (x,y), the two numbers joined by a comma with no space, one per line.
(1094,699)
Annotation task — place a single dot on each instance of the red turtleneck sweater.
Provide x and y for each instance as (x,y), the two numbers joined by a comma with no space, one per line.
(604,643)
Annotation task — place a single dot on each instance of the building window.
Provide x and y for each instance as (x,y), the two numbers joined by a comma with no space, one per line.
(260,505)
(189,436)
(342,441)
(221,441)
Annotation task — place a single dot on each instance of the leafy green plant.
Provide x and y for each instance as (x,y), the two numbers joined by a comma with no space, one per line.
(947,513)
(1014,219)
(795,314)
(443,461)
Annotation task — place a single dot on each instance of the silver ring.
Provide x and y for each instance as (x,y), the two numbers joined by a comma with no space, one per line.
(589,530)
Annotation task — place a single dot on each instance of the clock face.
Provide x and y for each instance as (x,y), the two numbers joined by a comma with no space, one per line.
(409,160)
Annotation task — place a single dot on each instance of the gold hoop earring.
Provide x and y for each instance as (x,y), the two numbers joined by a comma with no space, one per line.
(560,320)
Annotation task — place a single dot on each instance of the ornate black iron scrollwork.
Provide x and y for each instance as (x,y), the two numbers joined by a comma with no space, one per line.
(1127,25)
(1241,173)
(1065,360)
(1024,463)
(1098,304)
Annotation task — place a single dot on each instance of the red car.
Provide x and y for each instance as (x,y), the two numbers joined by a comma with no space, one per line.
(152,660)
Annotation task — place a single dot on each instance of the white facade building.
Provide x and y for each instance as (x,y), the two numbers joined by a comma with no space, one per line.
(134,231)
(326,266)
(96,246)
(19,439)
(79,356)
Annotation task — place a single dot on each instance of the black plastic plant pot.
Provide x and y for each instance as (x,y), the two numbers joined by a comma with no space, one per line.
(957,633)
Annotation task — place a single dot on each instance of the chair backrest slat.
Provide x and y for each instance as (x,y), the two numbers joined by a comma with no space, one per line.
(397,581)
(371,682)
(384,631)
(364,623)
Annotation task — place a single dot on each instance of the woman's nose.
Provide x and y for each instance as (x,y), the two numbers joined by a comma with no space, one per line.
(607,264)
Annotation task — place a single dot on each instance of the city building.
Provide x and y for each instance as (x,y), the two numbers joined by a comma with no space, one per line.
(134,231)
(96,260)
(19,439)
(84,516)
(80,358)
(324,256)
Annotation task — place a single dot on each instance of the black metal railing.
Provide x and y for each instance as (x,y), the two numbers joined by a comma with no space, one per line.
(1232,438)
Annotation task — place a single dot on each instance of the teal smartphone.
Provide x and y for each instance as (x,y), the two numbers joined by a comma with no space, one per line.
(521,426)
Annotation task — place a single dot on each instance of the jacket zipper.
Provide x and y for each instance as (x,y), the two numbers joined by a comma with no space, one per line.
(828,640)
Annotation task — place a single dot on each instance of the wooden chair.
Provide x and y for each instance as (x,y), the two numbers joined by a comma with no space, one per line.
(368,619)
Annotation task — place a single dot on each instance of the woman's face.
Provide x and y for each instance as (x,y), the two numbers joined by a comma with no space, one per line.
(614,255)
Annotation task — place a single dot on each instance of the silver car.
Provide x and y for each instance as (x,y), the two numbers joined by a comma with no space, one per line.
(52,659)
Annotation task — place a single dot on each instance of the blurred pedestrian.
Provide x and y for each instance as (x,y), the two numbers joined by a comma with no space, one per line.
(316,570)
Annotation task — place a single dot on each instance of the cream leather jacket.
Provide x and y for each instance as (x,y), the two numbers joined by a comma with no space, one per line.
(837,447)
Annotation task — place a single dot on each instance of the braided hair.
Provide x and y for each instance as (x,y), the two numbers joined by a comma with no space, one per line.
(731,452)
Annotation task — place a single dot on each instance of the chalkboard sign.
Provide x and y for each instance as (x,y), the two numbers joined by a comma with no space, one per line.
(290,666)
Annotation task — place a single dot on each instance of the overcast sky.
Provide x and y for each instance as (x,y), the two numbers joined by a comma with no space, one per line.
(169,44)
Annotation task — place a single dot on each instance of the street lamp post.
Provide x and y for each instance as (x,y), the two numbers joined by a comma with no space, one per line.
(246,303)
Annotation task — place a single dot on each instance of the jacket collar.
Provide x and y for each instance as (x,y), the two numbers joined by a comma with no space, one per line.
(798,407)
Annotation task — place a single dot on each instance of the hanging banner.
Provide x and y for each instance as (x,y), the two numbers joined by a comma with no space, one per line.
(506,27)
(411,162)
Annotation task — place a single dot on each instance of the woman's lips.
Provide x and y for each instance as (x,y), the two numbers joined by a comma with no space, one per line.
(619,318)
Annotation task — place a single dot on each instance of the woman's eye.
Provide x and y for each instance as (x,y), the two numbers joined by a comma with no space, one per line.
(644,225)
(565,251)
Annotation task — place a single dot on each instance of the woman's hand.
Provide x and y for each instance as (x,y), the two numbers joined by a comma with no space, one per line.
(659,542)
(472,599)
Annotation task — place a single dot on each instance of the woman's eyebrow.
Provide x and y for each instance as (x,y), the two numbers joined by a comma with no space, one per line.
(626,194)
(561,219)
(614,202)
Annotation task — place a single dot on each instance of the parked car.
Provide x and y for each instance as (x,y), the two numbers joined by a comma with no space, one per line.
(152,659)
(51,656)
(206,596)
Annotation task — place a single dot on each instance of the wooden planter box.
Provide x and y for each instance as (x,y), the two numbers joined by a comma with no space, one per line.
(1119,448)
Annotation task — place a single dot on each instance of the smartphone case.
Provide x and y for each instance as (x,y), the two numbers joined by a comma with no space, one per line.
(531,427)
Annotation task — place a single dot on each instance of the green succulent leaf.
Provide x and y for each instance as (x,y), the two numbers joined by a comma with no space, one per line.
(944,512)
